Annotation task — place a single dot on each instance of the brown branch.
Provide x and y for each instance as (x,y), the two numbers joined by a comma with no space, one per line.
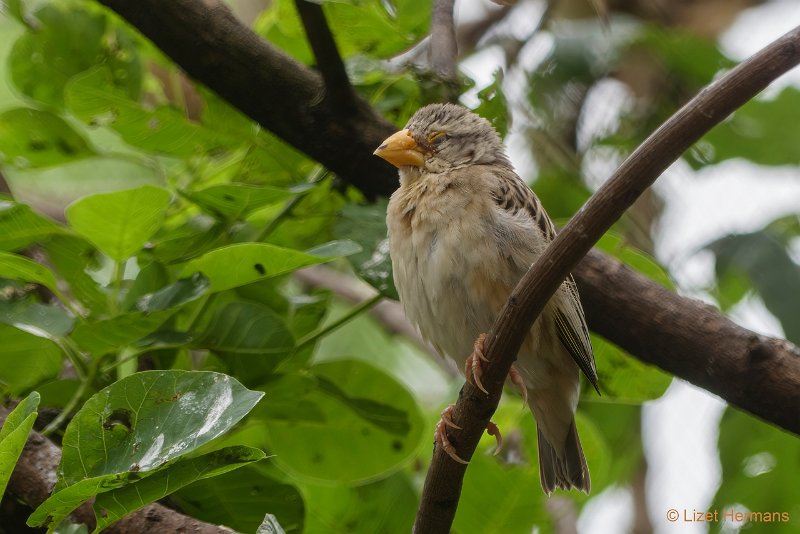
(472,412)
(690,339)
(388,312)
(284,96)
(329,62)
(35,475)
(443,49)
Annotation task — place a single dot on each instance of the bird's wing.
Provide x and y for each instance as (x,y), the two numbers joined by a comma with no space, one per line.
(513,195)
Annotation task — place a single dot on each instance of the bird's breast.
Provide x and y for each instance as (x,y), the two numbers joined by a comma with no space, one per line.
(447,266)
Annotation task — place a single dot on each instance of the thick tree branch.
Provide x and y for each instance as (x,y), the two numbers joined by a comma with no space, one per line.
(329,63)
(287,98)
(35,475)
(472,412)
(690,339)
(204,39)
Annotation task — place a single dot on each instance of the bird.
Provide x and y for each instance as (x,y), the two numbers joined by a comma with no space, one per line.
(463,228)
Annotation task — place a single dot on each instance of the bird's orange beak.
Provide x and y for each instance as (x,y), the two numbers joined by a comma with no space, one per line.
(401,150)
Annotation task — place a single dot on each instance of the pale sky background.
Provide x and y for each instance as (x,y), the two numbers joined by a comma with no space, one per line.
(679,429)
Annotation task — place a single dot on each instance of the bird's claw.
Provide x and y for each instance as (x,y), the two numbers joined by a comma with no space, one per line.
(516,379)
(493,430)
(440,435)
(472,366)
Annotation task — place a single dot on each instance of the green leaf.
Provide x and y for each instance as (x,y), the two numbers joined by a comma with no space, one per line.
(616,426)
(231,202)
(152,310)
(364,413)
(113,505)
(14,434)
(33,138)
(72,257)
(757,132)
(66,42)
(514,504)
(26,360)
(684,54)
(387,506)
(623,377)
(493,105)
(337,248)
(616,245)
(244,263)
(151,278)
(135,427)
(174,295)
(366,225)
(382,29)
(251,337)
(240,500)
(20,226)
(20,268)
(763,257)
(145,420)
(94,98)
(759,466)
(120,223)
(63,501)
(41,320)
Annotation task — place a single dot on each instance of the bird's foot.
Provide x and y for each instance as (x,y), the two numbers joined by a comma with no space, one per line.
(472,366)
(440,435)
(474,371)
(517,380)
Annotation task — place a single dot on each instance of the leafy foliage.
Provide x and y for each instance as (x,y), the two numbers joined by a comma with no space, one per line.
(14,434)
(147,254)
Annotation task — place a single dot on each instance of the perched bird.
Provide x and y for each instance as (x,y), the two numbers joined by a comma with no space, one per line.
(463,229)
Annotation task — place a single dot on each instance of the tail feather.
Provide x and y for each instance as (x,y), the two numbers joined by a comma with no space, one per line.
(567,470)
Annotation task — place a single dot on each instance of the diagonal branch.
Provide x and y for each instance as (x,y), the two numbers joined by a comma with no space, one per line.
(472,412)
(329,62)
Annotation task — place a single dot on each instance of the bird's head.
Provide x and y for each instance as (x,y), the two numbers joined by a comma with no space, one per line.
(440,137)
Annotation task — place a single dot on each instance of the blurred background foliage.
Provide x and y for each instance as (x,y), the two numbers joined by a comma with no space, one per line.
(121,177)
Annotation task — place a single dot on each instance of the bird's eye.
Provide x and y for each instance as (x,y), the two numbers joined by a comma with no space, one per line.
(436,138)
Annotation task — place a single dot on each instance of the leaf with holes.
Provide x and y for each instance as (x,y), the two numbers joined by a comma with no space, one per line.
(33,138)
(139,424)
(238,265)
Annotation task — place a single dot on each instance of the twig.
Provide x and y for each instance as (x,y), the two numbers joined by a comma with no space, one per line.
(329,63)
(354,312)
(388,313)
(442,488)
(442,50)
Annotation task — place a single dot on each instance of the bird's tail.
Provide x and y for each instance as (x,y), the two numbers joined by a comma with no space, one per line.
(566,470)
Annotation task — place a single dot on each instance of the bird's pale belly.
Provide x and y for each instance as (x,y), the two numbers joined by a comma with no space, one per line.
(453,290)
